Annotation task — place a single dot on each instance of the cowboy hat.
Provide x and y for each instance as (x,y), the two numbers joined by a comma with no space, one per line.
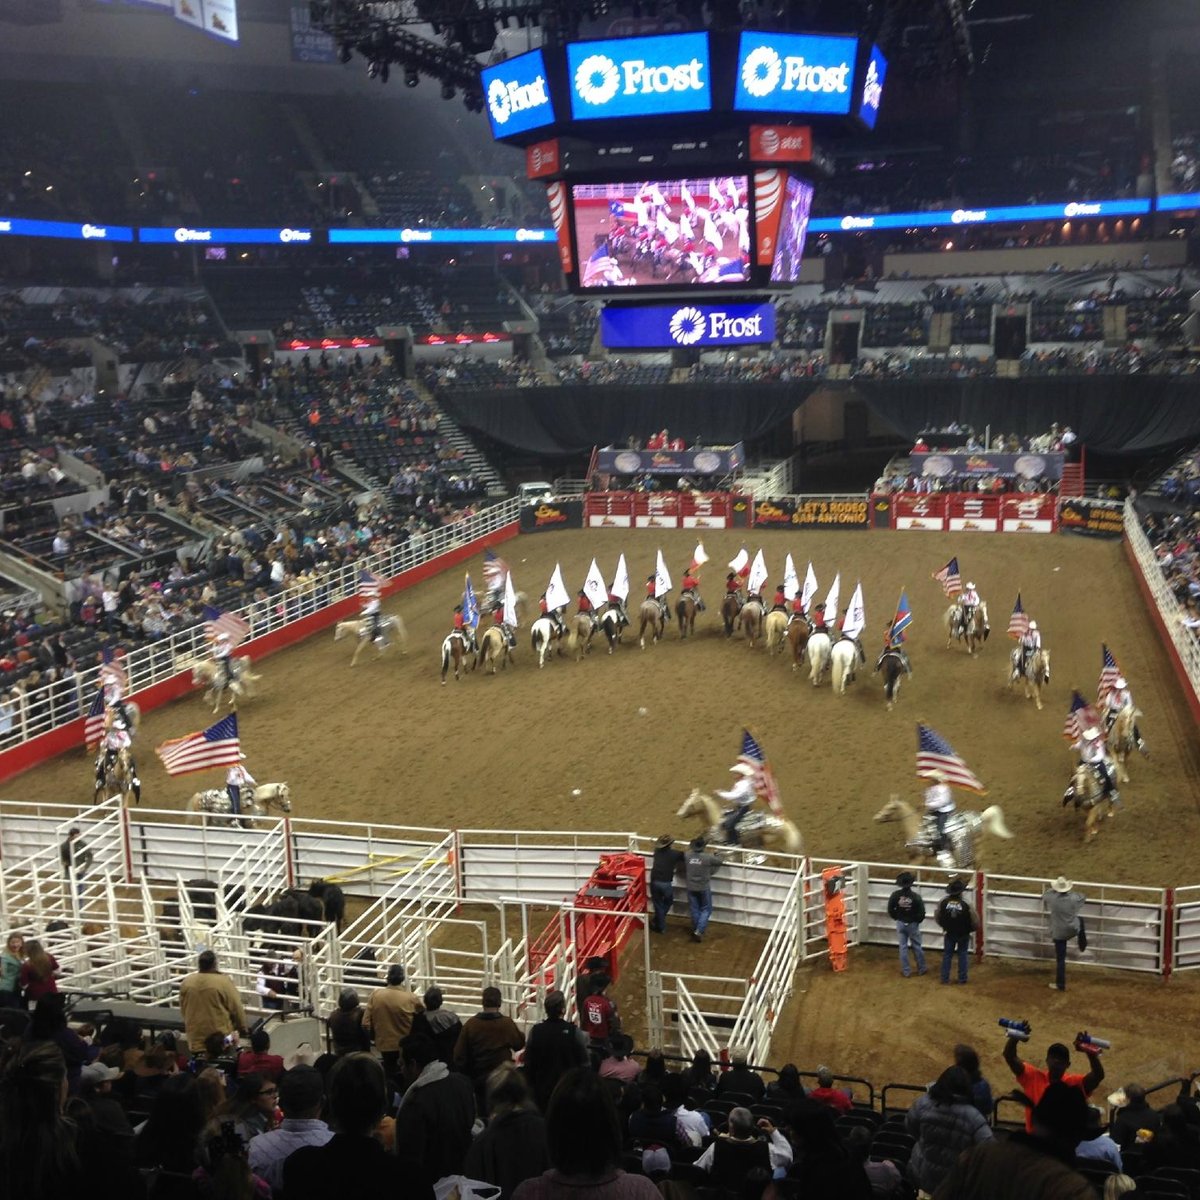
(956,887)
(1062,884)
(742,769)
(1090,735)
(937,776)
(664,841)
(904,879)
(1120,681)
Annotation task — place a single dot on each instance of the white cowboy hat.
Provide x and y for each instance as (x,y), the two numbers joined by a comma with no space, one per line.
(242,755)
(1090,735)
(742,769)
(1121,681)
(937,776)
(970,587)
(1062,884)
(1032,624)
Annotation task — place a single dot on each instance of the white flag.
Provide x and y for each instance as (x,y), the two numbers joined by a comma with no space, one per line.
(856,615)
(791,581)
(686,196)
(758,575)
(699,558)
(593,587)
(711,236)
(738,564)
(509,616)
(620,587)
(732,191)
(662,580)
(557,595)
(641,217)
(685,228)
(810,589)
(831,601)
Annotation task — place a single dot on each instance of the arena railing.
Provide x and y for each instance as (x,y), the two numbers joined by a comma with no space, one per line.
(46,708)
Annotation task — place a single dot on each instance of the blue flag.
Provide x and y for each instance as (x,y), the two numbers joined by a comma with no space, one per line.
(470,605)
(902,620)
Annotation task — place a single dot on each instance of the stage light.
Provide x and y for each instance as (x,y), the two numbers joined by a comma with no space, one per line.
(411,77)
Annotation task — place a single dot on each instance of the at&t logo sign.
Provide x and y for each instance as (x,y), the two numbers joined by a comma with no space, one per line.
(765,71)
(505,99)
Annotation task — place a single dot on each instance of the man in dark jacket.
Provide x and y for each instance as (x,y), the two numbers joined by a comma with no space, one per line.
(436,1115)
(438,1024)
(667,862)
(487,1039)
(555,1046)
(907,909)
(739,1079)
(957,921)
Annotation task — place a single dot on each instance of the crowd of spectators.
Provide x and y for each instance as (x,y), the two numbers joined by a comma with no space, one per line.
(1174,533)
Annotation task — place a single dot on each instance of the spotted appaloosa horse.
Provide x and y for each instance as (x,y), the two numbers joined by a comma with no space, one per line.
(455,651)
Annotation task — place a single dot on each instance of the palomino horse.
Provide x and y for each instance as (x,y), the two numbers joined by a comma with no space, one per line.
(544,634)
(650,616)
(974,632)
(893,667)
(610,626)
(751,620)
(729,612)
(843,659)
(758,830)
(775,627)
(963,829)
(819,648)
(798,632)
(1121,742)
(685,614)
(1088,793)
(493,649)
(118,778)
(580,628)
(360,628)
(1036,677)
(211,674)
(257,801)
(456,651)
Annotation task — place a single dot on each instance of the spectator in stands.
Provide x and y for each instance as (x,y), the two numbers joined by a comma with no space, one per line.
(512,1148)
(1033,1081)
(598,1013)
(209,1003)
(692,1125)
(825,1093)
(389,1017)
(11,961)
(786,1088)
(487,1039)
(436,1114)
(345,1024)
(743,1148)
(739,1078)
(251,1108)
(49,1024)
(981,1091)
(108,1115)
(583,1137)
(259,1059)
(301,1096)
(699,1075)
(555,1046)
(1134,1113)
(1177,1144)
(38,974)
(170,1139)
(1096,1143)
(944,1123)
(654,1122)
(439,1024)
(618,1064)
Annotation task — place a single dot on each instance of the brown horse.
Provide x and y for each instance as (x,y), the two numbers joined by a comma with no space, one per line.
(729,612)
(798,633)
(651,616)
(751,620)
(1088,794)
(455,651)
(685,614)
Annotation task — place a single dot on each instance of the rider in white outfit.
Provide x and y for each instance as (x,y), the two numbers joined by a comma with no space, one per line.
(222,652)
(1118,699)
(117,738)
(939,801)
(969,601)
(372,612)
(1031,643)
(741,798)
(1093,753)
(236,778)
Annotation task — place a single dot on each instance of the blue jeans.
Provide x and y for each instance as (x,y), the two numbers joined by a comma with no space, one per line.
(956,943)
(909,933)
(235,797)
(1060,964)
(701,906)
(662,893)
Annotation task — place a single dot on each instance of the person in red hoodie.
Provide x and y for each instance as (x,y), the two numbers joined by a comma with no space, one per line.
(779,603)
(691,584)
(39,972)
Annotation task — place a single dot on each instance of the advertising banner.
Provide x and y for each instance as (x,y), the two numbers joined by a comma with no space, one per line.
(542,158)
(559,514)
(639,77)
(969,513)
(517,95)
(557,198)
(699,510)
(707,460)
(86,232)
(656,510)
(881,512)
(871,96)
(793,512)
(183,235)
(794,73)
(769,185)
(221,19)
(309,45)
(781,143)
(1028,514)
(1092,517)
(1069,211)
(190,12)
(918,511)
(660,326)
(609,510)
(983,462)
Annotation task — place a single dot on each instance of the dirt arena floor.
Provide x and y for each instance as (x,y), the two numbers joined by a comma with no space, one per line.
(386,742)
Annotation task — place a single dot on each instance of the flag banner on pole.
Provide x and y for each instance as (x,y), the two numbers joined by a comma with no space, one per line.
(112,670)
(934,753)
(810,589)
(758,575)
(1080,716)
(470,605)
(764,778)
(740,564)
(699,556)
(593,587)
(557,595)
(93,723)
(949,578)
(216,746)
(495,569)
(902,620)
(791,581)
(1018,623)
(831,601)
(856,614)
(370,586)
(1109,672)
(509,615)
(620,587)
(662,578)
(217,622)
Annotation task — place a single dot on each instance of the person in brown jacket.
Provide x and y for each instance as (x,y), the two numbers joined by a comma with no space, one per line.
(389,1017)
(209,1003)
(487,1040)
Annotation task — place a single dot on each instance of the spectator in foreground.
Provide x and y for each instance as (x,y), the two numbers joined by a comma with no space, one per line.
(555,1046)
(441,1025)
(345,1024)
(389,1017)
(945,1123)
(1097,1144)
(259,1059)
(38,1156)
(251,1108)
(1133,1113)
(301,1096)
(618,1065)
(825,1093)
(513,1146)
(210,1004)
(436,1114)
(488,1039)
(739,1078)
(170,1138)
(745,1147)
(981,1091)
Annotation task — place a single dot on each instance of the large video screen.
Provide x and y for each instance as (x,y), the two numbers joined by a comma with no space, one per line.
(793,231)
(662,233)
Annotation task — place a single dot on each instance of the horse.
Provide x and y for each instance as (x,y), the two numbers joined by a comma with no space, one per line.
(650,616)
(455,650)
(117,778)
(360,628)
(751,620)
(893,667)
(756,830)
(610,626)
(974,634)
(775,627)
(844,661)
(210,673)
(493,649)
(332,898)
(685,614)
(257,801)
(729,612)
(580,629)
(819,650)
(1121,742)
(1036,677)
(544,634)
(1088,793)
(963,829)
(798,633)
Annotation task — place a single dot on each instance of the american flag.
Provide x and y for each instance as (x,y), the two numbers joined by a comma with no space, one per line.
(370,586)
(216,746)
(112,670)
(764,778)
(934,753)
(1109,672)
(1080,717)
(949,578)
(217,622)
(1018,623)
(494,571)
(93,723)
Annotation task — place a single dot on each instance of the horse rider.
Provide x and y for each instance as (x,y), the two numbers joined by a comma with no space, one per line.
(1118,699)
(1093,753)
(586,607)
(741,798)
(857,639)
(691,587)
(818,619)
(372,611)
(117,738)
(555,615)
(733,587)
(661,601)
(893,643)
(968,601)
(114,700)
(797,613)
(779,601)
(614,602)
(1031,643)
(939,803)
(509,634)
(464,631)
(236,778)
(222,652)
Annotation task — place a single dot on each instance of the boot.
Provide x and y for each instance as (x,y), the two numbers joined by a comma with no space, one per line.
(1068,796)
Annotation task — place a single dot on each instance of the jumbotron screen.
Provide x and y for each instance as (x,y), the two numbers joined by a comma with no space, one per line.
(793,230)
(663,233)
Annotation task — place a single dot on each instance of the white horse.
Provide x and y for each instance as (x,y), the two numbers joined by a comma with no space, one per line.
(819,654)
(1036,677)
(257,801)
(844,660)
(210,673)
(757,829)
(610,625)
(776,624)
(963,829)
(544,634)
(360,628)
(974,632)
(1120,741)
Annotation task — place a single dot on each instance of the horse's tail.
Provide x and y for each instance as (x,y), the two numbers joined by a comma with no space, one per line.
(993,821)
(838,675)
(791,836)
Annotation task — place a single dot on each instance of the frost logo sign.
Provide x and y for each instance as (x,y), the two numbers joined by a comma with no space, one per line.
(518,97)
(687,326)
(795,73)
(635,77)
(700,325)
